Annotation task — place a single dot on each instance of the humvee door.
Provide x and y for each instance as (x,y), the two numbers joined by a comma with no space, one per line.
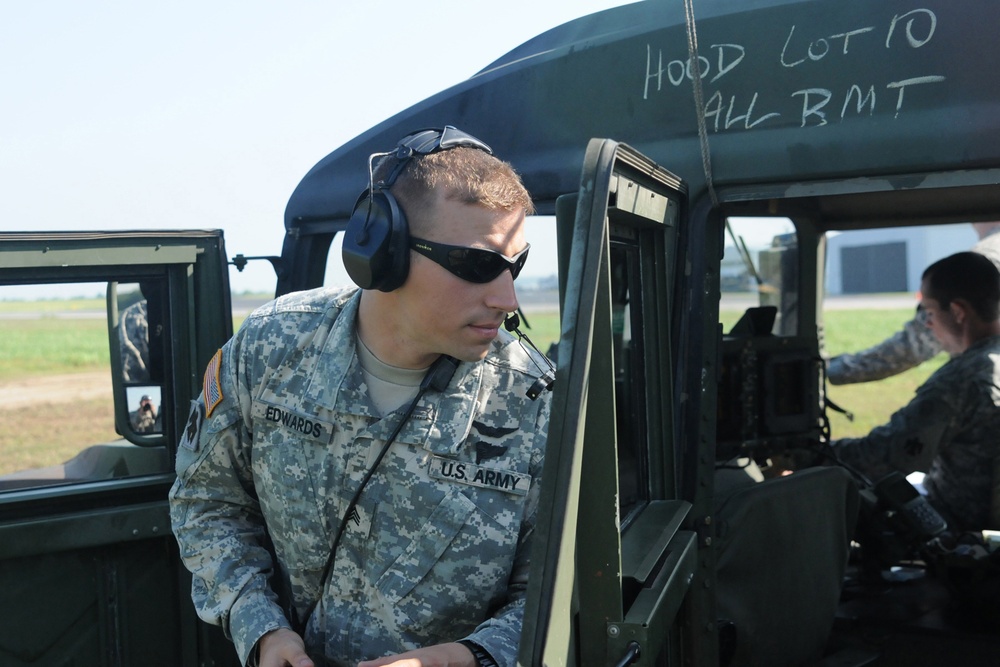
(105,338)
(611,564)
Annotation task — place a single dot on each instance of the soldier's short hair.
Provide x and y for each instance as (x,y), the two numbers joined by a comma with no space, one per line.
(468,175)
(969,276)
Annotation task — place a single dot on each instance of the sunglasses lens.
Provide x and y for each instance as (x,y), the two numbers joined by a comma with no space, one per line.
(488,266)
(482,266)
(515,269)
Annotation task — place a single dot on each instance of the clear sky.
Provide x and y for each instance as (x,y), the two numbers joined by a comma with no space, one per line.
(121,114)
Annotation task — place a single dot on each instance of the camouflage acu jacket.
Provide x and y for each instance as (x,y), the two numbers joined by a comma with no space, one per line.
(951,431)
(437,548)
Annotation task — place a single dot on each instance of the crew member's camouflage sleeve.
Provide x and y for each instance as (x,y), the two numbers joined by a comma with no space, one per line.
(907,348)
(215,514)
(949,430)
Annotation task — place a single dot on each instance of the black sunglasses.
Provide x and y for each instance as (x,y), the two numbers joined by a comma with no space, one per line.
(477,265)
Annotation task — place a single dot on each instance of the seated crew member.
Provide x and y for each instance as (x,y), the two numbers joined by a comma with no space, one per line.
(951,428)
(914,343)
(430,552)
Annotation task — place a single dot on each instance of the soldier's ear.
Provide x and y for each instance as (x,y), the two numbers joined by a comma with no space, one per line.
(961,310)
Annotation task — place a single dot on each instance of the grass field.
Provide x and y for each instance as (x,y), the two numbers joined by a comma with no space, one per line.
(47,346)
(64,429)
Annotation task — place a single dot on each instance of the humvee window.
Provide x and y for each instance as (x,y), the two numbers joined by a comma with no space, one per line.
(630,415)
(769,381)
(871,281)
(57,401)
(759,268)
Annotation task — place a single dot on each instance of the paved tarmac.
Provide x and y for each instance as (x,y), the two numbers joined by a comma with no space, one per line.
(548,301)
(902,300)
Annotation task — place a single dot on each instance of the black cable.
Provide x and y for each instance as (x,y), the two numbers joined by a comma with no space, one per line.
(437,378)
(548,377)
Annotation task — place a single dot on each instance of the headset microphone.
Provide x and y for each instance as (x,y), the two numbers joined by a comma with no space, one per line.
(548,377)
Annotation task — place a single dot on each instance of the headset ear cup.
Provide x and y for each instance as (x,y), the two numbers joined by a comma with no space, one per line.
(376,248)
(398,259)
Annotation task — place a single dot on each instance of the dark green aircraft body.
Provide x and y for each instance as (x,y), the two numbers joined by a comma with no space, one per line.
(644,132)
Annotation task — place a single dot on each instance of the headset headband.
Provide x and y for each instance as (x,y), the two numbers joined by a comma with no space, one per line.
(425,142)
(376,246)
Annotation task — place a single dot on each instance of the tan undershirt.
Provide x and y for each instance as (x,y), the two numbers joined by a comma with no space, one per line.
(388,386)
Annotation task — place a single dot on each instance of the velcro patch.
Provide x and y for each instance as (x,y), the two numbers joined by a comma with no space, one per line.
(464,472)
(192,430)
(359,521)
(308,426)
(211,384)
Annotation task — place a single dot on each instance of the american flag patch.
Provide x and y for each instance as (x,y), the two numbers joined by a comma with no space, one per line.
(212,387)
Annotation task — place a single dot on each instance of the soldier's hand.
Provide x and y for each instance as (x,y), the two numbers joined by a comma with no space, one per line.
(283,648)
(441,655)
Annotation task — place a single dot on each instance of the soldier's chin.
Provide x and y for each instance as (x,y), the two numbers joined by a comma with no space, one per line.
(471,355)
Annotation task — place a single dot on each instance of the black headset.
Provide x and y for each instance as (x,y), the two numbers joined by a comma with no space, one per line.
(376,246)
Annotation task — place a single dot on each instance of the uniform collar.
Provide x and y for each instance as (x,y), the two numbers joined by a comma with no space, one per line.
(440,422)
(324,386)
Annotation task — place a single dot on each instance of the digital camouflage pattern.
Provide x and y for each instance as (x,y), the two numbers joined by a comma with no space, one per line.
(438,547)
(951,431)
(905,349)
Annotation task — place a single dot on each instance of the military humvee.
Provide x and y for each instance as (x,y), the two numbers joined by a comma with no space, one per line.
(643,130)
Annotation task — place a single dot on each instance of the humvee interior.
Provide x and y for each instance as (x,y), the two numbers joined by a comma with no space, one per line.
(903,591)
(770,377)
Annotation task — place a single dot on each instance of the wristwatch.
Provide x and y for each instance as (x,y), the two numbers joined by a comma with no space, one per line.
(482,656)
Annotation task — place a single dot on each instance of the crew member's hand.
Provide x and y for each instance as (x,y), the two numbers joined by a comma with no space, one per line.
(283,648)
(441,655)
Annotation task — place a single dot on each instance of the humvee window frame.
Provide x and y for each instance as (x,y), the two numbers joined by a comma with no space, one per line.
(627,206)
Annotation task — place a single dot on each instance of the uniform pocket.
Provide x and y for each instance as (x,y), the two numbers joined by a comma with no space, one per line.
(452,573)
(283,475)
(426,548)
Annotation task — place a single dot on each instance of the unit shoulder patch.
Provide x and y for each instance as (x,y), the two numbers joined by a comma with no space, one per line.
(192,430)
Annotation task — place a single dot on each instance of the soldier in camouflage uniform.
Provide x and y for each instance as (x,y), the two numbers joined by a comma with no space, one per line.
(143,420)
(915,343)
(951,428)
(296,409)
